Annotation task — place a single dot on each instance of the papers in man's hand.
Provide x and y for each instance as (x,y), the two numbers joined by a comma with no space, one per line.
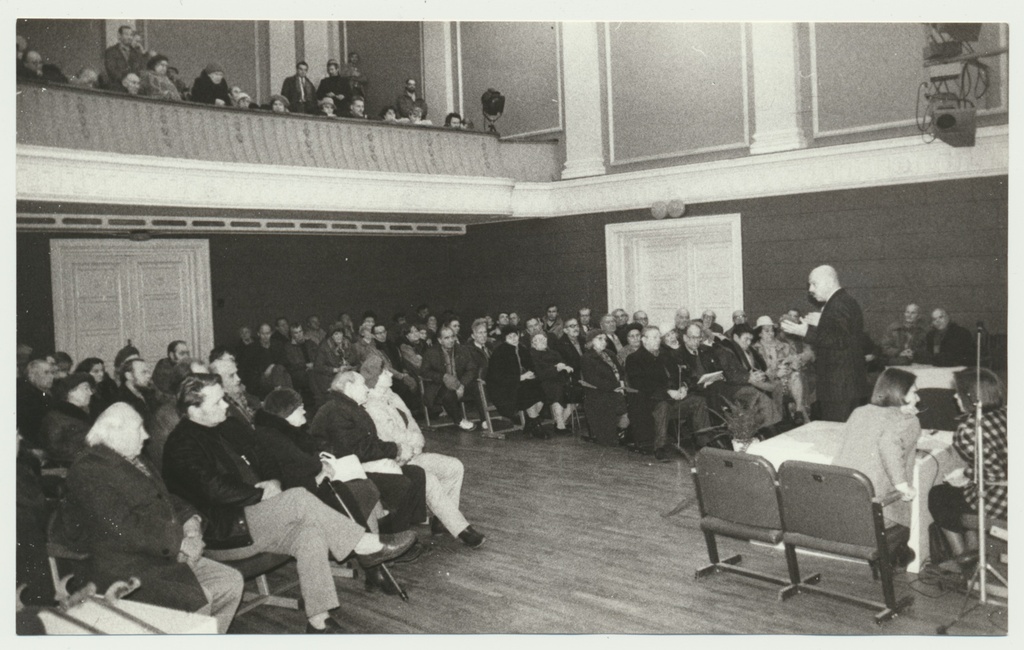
(346,468)
(710,378)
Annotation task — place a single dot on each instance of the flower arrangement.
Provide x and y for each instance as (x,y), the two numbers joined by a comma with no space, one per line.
(742,421)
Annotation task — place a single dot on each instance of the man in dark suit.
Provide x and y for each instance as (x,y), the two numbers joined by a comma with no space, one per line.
(300,91)
(948,344)
(655,377)
(122,58)
(448,374)
(837,337)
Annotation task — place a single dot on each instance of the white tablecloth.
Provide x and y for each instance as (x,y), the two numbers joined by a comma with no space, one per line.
(818,442)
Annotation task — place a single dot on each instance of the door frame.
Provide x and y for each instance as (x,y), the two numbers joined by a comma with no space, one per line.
(195,251)
(619,239)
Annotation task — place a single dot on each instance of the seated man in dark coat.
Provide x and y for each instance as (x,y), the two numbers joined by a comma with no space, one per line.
(449,373)
(342,427)
(120,513)
(653,375)
(34,402)
(137,387)
(248,515)
(948,344)
(66,425)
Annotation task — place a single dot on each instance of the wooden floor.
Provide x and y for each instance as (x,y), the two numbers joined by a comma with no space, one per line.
(576,544)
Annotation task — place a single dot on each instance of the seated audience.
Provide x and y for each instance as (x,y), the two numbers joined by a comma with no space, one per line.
(552,324)
(802,363)
(682,321)
(120,513)
(31,67)
(633,334)
(585,325)
(210,87)
(154,80)
(640,317)
(137,387)
(61,362)
(415,118)
(131,84)
(387,114)
(948,344)
(353,80)
(246,515)
(554,378)
(343,427)
(300,355)
(609,326)
(65,426)
(408,100)
(176,351)
(34,401)
(621,323)
(262,367)
(661,394)
(325,108)
(175,76)
(244,101)
(86,78)
(448,374)
(512,385)
(166,415)
(603,390)
(314,332)
(948,502)
(904,340)
(444,474)
(329,361)
(880,440)
(708,319)
(299,90)
(479,346)
(104,389)
(739,317)
(782,363)
(356,109)
(743,366)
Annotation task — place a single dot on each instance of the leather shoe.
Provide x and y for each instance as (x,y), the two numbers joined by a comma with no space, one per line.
(393,547)
(436,527)
(331,626)
(413,554)
(471,538)
(375,580)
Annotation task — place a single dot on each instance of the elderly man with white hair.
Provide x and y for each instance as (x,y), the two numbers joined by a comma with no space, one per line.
(444,474)
(836,334)
(119,511)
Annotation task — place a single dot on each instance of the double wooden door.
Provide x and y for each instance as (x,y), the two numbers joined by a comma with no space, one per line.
(107,292)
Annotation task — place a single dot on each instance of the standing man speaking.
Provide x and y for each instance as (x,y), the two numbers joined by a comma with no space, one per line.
(836,333)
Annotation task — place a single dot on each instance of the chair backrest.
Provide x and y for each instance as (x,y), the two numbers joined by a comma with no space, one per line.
(737,487)
(827,502)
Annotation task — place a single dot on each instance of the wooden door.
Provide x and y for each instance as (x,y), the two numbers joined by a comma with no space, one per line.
(107,292)
(660,266)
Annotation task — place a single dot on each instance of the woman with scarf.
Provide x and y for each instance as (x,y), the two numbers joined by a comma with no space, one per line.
(603,390)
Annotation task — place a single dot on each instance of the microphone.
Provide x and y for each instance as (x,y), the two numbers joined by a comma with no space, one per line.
(981,326)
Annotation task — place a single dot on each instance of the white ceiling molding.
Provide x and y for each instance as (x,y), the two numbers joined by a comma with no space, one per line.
(60,175)
(63,175)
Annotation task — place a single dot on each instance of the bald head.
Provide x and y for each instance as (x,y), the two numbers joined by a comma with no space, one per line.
(682,317)
(823,282)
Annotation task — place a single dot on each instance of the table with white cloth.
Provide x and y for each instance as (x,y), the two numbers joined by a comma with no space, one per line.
(819,442)
(95,615)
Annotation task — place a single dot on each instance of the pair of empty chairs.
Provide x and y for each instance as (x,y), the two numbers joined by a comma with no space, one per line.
(805,505)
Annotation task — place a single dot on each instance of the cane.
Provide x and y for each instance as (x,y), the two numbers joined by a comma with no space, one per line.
(383,568)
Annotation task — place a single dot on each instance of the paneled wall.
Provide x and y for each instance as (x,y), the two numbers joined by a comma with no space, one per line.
(70,44)
(258,278)
(390,53)
(520,60)
(939,244)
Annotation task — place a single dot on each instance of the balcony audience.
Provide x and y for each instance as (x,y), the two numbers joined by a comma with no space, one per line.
(408,100)
(331,87)
(356,109)
(300,91)
(86,78)
(131,84)
(453,121)
(156,83)
(210,87)
(123,57)
(280,104)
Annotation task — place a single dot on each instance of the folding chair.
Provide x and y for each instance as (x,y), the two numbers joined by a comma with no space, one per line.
(485,408)
(58,548)
(426,407)
(834,509)
(256,568)
(738,497)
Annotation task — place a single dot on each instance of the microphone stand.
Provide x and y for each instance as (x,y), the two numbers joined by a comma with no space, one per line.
(979,473)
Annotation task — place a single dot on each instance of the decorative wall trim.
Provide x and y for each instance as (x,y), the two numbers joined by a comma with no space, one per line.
(61,175)
(849,166)
(613,161)
(96,223)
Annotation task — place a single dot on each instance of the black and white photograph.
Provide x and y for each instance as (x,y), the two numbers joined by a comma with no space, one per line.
(619,322)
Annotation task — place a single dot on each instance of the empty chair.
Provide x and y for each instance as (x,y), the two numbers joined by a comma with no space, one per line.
(834,509)
(738,497)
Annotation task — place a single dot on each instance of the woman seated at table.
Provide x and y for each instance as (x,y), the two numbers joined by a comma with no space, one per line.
(553,375)
(512,385)
(880,439)
(958,496)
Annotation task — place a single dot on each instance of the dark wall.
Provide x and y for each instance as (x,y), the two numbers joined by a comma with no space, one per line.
(390,53)
(70,44)
(256,278)
(938,244)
